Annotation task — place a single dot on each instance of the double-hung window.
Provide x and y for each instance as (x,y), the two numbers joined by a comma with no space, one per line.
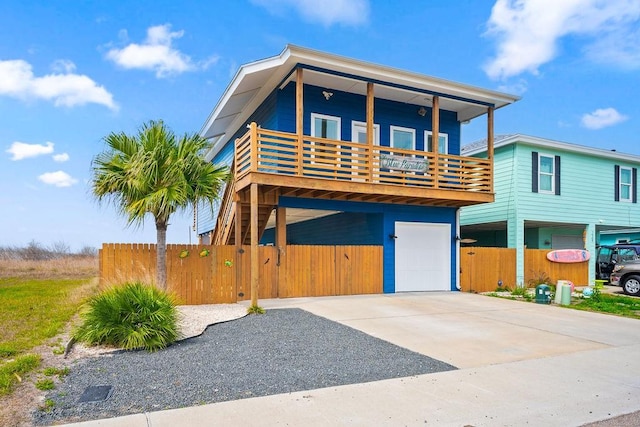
(403,138)
(625,184)
(546,173)
(443,142)
(545,177)
(359,133)
(323,126)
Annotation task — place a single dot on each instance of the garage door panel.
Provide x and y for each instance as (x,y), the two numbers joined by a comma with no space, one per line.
(423,256)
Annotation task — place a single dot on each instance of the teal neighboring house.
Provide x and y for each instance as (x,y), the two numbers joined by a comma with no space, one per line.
(554,195)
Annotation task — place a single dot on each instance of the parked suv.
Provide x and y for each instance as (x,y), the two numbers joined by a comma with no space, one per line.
(611,255)
(627,275)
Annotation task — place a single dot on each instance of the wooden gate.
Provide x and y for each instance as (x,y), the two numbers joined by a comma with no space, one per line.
(481,269)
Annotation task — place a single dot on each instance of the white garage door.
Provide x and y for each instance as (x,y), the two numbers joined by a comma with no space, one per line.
(423,256)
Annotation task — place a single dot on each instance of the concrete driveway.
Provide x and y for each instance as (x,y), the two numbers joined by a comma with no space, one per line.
(520,363)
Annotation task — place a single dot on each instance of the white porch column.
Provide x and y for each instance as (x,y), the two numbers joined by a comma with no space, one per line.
(515,239)
(590,245)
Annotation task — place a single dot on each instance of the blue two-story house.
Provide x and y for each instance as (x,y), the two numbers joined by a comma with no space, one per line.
(328,150)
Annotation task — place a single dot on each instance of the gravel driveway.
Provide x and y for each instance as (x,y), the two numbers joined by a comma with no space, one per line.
(282,351)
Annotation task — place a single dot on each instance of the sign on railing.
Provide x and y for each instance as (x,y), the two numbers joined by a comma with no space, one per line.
(405,163)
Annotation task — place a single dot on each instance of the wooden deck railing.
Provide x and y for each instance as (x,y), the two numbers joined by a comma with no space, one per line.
(268,151)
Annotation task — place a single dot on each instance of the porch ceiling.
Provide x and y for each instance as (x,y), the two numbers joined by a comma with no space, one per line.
(299,215)
(502,225)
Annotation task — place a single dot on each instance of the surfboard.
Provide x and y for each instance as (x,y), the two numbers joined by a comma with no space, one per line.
(568,255)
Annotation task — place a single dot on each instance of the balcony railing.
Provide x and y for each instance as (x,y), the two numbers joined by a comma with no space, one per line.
(274,152)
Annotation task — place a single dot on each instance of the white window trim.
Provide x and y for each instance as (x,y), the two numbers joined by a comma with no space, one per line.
(403,129)
(553,174)
(376,131)
(621,184)
(315,116)
(428,133)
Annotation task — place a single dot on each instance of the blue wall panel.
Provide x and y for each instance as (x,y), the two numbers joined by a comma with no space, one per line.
(348,228)
(350,107)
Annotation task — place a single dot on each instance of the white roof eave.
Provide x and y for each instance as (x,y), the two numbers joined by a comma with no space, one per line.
(557,145)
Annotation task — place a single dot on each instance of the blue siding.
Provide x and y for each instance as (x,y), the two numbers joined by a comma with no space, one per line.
(348,228)
(389,214)
(352,107)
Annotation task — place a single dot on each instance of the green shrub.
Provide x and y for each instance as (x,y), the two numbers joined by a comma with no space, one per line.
(130,316)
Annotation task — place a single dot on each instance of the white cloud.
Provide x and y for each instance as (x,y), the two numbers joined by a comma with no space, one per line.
(155,53)
(528,31)
(517,88)
(62,157)
(59,179)
(602,117)
(327,12)
(21,150)
(63,66)
(63,88)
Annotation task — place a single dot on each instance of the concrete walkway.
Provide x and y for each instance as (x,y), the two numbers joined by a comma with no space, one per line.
(520,364)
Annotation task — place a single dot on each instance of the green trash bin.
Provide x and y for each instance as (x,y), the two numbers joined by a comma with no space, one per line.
(543,294)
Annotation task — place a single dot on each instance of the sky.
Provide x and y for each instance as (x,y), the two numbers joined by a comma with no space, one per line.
(72,72)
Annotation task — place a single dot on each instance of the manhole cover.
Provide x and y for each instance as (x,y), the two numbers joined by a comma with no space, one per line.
(96,393)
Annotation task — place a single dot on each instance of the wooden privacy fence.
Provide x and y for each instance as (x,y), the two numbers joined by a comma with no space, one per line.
(482,268)
(536,265)
(223,274)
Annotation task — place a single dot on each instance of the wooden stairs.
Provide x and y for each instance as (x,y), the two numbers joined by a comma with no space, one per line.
(225,230)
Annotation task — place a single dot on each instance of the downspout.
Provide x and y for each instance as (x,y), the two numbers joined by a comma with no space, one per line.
(457,249)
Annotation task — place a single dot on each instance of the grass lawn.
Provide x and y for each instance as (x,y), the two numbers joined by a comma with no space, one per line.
(34,311)
(612,304)
(619,305)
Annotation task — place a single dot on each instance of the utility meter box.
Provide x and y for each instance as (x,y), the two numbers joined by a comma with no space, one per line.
(543,294)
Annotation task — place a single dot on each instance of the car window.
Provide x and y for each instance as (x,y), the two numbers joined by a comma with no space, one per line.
(604,255)
(627,254)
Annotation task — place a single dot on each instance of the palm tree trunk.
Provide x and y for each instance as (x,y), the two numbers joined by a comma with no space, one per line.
(161,254)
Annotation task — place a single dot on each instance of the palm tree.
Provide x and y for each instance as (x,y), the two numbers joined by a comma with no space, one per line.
(157,173)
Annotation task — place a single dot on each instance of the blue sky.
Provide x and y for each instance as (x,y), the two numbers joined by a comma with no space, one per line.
(71,72)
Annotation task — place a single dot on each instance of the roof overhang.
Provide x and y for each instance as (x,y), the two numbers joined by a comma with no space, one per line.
(255,81)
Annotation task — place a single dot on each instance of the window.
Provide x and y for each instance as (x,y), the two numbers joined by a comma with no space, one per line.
(625,184)
(545,176)
(443,142)
(323,126)
(359,133)
(403,138)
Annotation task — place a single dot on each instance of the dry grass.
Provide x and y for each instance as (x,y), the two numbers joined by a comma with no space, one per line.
(71,267)
(38,299)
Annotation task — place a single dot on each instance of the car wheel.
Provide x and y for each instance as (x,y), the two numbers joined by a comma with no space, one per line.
(631,285)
